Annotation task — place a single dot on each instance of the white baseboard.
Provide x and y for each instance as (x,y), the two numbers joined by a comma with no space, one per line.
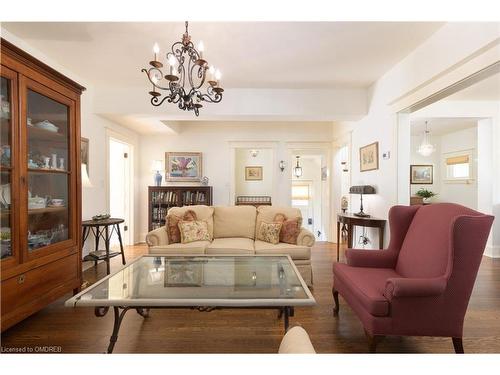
(492,251)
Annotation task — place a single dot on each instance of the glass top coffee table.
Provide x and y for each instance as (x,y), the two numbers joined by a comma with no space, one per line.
(204,283)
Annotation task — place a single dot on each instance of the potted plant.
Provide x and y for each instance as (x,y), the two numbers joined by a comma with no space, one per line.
(426,195)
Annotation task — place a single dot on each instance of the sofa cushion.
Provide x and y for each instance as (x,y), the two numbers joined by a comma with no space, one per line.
(295,252)
(237,245)
(234,221)
(268,214)
(192,231)
(202,213)
(366,285)
(197,247)
(269,232)
(290,228)
(172,225)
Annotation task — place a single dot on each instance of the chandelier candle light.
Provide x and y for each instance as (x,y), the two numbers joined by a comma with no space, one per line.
(186,76)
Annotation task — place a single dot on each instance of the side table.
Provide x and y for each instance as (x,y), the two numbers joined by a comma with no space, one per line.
(351,221)
(103,229)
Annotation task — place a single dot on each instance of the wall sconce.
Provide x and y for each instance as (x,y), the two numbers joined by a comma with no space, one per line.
(254,153)
(297,171)
(282,165)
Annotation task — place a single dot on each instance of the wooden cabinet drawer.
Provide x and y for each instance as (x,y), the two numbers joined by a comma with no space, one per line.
(28,286)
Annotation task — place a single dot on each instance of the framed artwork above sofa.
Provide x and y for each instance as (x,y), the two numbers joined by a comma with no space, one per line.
(183,166)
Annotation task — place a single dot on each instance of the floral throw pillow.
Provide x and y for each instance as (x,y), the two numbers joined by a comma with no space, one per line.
(194,231)
(269,232)
(172,225)
(290,228)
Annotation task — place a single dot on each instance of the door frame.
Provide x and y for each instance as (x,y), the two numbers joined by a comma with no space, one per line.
(109,135)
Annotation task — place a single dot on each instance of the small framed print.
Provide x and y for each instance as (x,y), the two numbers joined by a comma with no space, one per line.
(368,157)
(253,173)
(421,174)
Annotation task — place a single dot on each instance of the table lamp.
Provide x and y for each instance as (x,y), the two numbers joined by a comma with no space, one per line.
(361,189)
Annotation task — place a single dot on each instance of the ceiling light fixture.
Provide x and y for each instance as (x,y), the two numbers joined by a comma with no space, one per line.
(297,171)
(426,148)
(186,75)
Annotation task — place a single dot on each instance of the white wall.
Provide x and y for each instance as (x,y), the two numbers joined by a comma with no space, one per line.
(434,159)
(214,140)
(243,159)
(430,61)
(456,192)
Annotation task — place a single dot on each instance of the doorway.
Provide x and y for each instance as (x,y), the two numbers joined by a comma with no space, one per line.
(308,191)
(120,186)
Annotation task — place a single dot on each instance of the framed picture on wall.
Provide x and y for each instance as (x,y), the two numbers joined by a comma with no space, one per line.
(253,173)
(183,166)
(84,152)
(421,174)
(368,157)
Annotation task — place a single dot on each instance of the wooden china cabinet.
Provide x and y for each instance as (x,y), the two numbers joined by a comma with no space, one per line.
(40,185)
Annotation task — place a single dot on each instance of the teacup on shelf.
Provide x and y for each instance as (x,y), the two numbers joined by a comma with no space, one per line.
(56,203)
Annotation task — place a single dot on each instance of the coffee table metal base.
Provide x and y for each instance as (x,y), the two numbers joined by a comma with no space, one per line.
(284,311)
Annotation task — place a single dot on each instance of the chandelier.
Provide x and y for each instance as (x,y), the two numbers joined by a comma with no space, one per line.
(426,148)
(186,75)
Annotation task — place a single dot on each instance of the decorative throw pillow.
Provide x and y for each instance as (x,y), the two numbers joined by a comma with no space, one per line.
(172,225)
(194,231)
(290,228)
(269,232)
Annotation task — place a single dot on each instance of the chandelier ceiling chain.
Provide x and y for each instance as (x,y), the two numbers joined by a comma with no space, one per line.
(187,73)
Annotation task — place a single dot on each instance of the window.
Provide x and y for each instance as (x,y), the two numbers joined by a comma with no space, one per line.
(300,195)
(459,166)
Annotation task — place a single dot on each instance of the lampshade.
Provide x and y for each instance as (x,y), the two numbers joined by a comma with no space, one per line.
(362,189)
(85,177)
(157,165)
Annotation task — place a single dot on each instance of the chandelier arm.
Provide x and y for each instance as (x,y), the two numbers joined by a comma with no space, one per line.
(150,80)
(157,102)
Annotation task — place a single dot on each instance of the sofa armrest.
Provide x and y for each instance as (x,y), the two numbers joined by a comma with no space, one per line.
(413,287)
(296,341)
(157,237)
(371,258)
(305,238)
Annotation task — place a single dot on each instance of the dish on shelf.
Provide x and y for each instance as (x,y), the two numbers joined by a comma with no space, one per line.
(5,195)
(47,125)
(36,203)
(56,202)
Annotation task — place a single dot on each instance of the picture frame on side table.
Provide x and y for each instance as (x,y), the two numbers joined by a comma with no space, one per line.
(368,157)
(253,173)
(183,166)
(421,174)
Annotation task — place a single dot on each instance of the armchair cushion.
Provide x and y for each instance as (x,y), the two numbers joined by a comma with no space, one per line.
(371,258)
(365,285)
(412,287)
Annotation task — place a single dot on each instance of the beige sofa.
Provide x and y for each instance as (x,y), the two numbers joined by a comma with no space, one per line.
(233,229)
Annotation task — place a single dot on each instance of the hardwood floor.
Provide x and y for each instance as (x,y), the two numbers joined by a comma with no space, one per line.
(77,330)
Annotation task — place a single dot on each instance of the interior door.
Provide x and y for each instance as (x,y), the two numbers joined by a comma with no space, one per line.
(9,171)
(48,173)
(120,186)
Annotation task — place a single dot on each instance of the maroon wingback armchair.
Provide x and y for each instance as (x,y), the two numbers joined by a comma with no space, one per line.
(421,284)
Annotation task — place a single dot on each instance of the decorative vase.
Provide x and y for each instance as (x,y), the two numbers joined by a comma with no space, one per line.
(158,178)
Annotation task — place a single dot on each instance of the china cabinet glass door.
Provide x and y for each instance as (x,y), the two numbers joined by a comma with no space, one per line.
(48,124)
(8,172)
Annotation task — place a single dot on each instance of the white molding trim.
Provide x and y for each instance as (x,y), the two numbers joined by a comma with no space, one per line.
(485,60)
(492,251)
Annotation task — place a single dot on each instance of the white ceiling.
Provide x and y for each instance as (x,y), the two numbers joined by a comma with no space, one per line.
(249,54)
(487,89)
(440,126)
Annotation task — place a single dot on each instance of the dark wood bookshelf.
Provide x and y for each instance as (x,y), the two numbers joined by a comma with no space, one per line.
(162,198)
